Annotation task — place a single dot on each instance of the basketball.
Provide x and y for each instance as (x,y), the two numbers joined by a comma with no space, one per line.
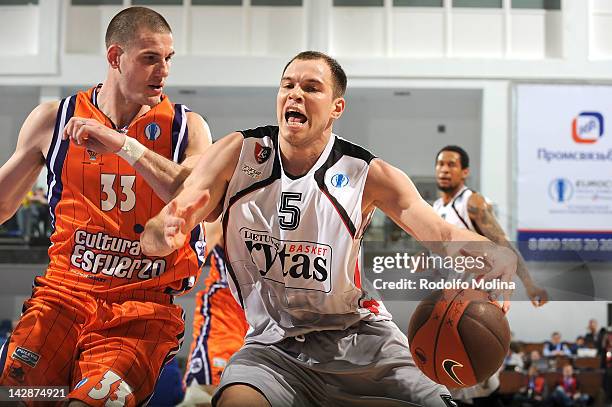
(458,338)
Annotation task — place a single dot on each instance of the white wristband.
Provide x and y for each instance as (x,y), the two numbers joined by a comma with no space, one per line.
(131,151)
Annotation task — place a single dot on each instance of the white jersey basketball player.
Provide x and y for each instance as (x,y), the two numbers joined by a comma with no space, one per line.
(295,200)
(464,208)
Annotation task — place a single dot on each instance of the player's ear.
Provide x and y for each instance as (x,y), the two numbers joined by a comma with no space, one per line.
(339,105)
(112,55)
(465,172)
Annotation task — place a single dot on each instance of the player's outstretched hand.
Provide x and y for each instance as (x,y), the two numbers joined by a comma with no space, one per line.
(537,295)
(500,264)
(175,231)
(180,220)
(93,135)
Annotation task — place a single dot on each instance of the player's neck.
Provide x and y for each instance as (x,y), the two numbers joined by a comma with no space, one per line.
(299,158)
(448,196)
(118,108)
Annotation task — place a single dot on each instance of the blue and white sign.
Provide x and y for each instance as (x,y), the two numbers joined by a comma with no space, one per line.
(564,181)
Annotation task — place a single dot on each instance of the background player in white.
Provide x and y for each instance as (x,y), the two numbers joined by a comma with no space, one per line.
(465,208)
(300,350)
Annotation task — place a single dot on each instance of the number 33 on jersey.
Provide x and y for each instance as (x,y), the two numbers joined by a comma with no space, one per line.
(99,205)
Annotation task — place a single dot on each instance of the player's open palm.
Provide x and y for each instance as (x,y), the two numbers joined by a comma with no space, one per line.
(504,263)
(178,223)
(494,262)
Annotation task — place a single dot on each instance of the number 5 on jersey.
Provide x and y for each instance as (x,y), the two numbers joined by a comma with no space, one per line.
(289,214)
(126,182)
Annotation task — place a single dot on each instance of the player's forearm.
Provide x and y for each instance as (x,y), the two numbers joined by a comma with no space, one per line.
(448,240)
(164,176)
(522,270)
(15,184)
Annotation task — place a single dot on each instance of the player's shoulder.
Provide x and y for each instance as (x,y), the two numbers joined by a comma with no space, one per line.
(477,200)
(197,122)
(43,117)
(46,110)
(231,142)
(348,148)
(260,132)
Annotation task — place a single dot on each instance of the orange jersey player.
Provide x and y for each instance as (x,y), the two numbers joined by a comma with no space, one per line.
(101,321)
(219,326)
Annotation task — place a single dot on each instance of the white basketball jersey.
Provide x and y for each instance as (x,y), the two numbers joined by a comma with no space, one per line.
(456,211)
(293,243)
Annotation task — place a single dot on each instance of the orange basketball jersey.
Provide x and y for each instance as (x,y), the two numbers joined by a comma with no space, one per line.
(99,205)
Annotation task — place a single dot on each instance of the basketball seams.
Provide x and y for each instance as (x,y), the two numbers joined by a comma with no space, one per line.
(503,351)
(439,330)
(475,320)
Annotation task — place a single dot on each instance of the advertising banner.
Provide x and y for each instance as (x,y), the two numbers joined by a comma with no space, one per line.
(564,179)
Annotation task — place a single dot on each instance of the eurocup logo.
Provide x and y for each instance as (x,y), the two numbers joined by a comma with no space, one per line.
(340,180)
(561,190)
(587,127)
(152,131)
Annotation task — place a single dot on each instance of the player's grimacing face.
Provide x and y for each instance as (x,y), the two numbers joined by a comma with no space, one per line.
(145,65)
(449,173)
(305,101)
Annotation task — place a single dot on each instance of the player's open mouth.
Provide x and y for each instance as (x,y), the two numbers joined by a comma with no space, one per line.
(156,88)
(295,118)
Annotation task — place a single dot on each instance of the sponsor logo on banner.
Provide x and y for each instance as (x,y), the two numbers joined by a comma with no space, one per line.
(587,127)
(560,190)
(296,264)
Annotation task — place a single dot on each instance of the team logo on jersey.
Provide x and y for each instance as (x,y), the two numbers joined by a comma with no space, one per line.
(92,155)
(340,180)
(296,264)
(99,253)
(251,172)
(262,153)
(152,131)
(26,356)
(195,366)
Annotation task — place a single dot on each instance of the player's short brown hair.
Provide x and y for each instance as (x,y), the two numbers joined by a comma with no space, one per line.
(127,23)
(338,74)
